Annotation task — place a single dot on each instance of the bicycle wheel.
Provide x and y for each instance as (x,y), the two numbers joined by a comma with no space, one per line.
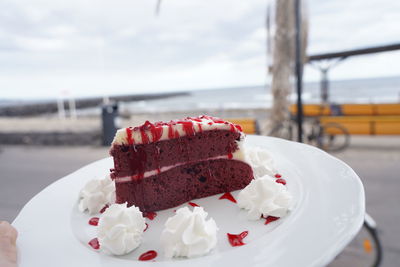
(364,250)
(333,137)
(283,130)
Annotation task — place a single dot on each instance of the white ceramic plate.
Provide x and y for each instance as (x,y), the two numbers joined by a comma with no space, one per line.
(328,211)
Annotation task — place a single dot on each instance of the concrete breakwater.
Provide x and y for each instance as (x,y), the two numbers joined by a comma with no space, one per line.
(87,130)
(39,108)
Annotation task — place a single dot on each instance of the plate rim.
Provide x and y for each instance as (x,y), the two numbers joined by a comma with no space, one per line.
(323,260)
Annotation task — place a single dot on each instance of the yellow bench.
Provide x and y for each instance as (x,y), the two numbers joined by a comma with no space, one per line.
(312,110)
(364,125)
(371,109)
(249,125)
(362,119)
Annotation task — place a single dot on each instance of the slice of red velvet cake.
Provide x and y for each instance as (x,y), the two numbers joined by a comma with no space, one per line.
(162,165)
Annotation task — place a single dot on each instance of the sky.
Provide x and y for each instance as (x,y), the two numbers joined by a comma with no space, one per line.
(55,48)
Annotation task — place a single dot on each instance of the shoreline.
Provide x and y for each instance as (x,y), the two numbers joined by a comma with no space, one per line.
(87,130)
(51,106)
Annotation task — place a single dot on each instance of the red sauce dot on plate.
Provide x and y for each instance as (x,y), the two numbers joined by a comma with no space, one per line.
(193,204)
(150,215)
(270,219)
(237,240)
(228,196)
(94,221)
(281,181)
(278,175)
(94,243)
(149,255)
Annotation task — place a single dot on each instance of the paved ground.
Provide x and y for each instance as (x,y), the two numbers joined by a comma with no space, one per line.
(377,162)
(27,170)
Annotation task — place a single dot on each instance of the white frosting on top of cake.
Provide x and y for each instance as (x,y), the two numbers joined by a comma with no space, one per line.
(120,229)
(96,194)
(173,129)
(264,197)
(189,234)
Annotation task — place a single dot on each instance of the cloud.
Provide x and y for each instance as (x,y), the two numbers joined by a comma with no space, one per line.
(105,47)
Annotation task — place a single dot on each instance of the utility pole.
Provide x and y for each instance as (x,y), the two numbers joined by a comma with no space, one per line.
(282,68)
(299,71)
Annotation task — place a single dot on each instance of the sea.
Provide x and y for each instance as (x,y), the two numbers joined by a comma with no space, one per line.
(377,90)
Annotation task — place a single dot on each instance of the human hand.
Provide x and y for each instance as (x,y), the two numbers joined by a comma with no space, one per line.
(8,248)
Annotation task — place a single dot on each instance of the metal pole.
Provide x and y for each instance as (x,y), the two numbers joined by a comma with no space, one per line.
(299,71)
(324,85)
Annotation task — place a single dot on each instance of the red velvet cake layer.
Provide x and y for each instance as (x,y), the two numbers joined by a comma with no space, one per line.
(136,159)
(184,183)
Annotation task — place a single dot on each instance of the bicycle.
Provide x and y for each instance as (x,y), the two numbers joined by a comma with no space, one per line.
(331,137)
(364,250)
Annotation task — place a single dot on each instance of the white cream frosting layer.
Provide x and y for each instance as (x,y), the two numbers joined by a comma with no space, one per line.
(206,124)
(120,229)
(264,197)
(189,234)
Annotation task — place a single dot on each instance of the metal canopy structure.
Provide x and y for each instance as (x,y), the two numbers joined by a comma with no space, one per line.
(355,52)
(334,58)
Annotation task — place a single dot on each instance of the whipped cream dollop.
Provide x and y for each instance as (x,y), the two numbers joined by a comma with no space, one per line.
(264,197)
(96,194)
(189,234)
(260,161)
(120,229)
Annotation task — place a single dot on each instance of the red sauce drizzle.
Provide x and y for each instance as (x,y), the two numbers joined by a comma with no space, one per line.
(145,138)
(155,130)
(193,204)
(270,219)
(94,221)
(104,208)
(94,243)
(147,226)
(232,128)
(228,196)
(170,132)
(230,155)
(137,162)
(237,240)
(129,136)
(187,127)
(156,133)
(200,129)
(149,255)
(239,127)
(210,123)
(150,215)
(278,175)
(281,181)
(216,120)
